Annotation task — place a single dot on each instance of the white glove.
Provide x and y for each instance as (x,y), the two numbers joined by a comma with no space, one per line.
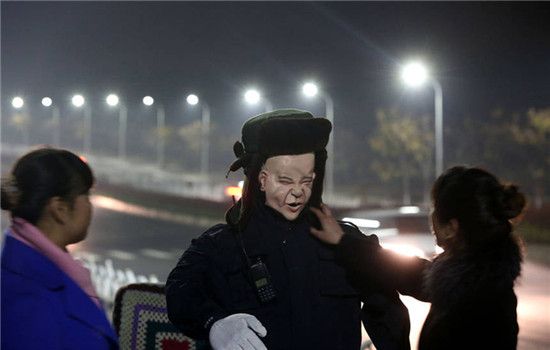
(236,332)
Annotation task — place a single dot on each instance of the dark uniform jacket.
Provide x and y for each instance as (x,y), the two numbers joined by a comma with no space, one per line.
(316,304)
(472,296)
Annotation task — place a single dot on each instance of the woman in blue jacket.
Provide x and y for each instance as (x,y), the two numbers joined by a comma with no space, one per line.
(48,300)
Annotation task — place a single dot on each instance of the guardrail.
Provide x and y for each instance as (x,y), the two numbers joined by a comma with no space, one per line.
(107,280)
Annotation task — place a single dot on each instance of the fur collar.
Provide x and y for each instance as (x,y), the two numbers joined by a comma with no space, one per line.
(452,278)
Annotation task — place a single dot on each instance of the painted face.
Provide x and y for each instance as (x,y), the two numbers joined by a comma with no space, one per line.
(80,218)
(287,183)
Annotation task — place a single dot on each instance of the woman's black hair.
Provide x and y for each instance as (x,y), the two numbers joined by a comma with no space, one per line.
(40,175)
(481,205)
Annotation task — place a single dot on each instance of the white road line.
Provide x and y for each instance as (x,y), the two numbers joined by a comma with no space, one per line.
(158,254)
(121,255)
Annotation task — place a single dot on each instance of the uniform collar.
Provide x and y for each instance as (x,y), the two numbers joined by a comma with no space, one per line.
(267,227)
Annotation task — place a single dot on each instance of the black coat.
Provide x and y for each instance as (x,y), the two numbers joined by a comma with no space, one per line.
(472,296)
(316,307)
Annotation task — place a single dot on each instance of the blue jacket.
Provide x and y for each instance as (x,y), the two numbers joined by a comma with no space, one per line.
(43,308)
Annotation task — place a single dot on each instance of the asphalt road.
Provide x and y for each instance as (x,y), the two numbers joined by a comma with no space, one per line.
(148,243)
(136,238)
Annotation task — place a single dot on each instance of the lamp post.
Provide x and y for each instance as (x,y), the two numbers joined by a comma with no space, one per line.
(205,129)
(47,102)
(148,101)
(113,100)
(22,119)
(252,96)
(415,74)
(311,90)
(79,101)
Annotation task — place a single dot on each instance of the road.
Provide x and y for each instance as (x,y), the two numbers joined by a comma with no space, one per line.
(137,240)
(127,241)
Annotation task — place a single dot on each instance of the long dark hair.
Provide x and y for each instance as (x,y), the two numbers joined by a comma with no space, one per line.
(40,175)
(481,205)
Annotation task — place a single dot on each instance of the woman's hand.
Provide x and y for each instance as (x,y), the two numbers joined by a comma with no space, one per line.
(331,231)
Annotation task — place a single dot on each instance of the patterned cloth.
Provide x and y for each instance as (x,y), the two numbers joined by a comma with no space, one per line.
(141,321)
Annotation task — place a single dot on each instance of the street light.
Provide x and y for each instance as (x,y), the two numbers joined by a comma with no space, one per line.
(79,101)
(113,100)
(17,102)
(415,74)
(21,119)
(47,102)
(252,96)
(192,99)
(205,128)
(311,90)
(148,101)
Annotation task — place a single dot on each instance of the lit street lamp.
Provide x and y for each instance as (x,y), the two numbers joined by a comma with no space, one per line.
(113,100)
(148,101)
(47,102)
(79,101)
(252,96)
(205,129)
(311,90)
(415,74)
(17,102)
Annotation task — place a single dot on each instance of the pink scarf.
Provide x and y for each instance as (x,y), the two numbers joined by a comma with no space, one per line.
(29,234)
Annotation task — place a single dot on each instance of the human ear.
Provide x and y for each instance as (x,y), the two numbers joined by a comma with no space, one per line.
(262,178)
(58,209)
(451,229)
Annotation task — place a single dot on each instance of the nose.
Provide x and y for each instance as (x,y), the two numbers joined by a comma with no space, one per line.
(297,191)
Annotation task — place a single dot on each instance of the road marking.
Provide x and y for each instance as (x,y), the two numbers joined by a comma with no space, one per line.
(121,255)
(158,254)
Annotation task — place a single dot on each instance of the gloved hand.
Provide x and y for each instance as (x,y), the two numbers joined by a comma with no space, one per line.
(237,331)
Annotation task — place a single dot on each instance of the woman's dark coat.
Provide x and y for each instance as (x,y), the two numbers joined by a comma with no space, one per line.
(472,295)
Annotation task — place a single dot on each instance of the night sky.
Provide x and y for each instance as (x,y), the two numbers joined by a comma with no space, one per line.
(485,55)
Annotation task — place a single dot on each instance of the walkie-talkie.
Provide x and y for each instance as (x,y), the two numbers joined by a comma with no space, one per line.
(262,281)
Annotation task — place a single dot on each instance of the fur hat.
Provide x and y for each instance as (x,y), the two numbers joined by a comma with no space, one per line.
(280,132)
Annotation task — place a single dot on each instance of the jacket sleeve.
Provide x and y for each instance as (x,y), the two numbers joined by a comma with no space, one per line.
(378,274)
(190,302)
(372,266)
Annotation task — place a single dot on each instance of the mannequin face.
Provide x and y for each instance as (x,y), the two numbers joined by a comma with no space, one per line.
(287,182)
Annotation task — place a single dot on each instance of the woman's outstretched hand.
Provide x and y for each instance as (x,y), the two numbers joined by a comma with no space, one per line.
(330,232)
